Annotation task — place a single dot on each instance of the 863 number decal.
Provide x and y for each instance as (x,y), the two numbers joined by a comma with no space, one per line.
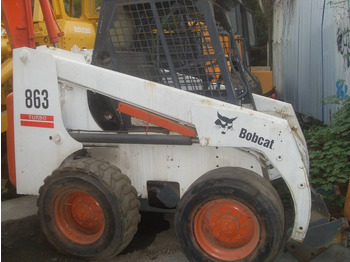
(37,99)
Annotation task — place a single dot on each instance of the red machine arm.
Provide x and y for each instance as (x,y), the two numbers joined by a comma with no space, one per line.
(17,15)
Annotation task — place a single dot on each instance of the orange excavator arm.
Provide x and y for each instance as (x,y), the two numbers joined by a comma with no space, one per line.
(18,19)
(17,16)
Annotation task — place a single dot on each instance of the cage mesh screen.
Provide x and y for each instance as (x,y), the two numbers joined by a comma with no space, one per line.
(169,44)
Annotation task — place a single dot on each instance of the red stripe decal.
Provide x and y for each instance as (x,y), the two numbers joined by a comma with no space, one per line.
(37,117)
(157,120)
(37,124)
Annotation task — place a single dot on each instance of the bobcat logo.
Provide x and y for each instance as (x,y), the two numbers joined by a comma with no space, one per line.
(224,123)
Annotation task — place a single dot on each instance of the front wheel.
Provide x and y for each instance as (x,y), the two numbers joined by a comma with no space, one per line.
(88,209)
(230,214)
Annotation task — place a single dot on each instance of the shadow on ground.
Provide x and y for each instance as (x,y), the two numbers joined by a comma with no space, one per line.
(23,240)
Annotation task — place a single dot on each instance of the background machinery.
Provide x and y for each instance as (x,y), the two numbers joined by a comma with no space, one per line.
(77,30)
(77,20)
(164,118)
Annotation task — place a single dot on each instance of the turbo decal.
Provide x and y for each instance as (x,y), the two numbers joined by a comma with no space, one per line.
(254,138)
(37,121)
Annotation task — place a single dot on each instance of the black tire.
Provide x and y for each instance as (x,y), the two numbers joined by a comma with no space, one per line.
(230,214)
(89,209)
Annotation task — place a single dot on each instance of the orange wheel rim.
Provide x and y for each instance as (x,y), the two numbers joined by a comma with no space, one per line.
(78,216)
(226,229)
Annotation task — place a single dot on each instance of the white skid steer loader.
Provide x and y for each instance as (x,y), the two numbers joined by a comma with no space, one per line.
(162,120)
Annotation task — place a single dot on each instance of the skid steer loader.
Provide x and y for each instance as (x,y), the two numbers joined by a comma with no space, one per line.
(163,120)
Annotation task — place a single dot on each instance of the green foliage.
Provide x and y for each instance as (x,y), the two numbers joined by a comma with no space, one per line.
(336,3)
(329,150)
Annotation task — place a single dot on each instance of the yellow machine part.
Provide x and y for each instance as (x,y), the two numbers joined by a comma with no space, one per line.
(347,204)
(6,76)
(212,67)
(4,123)
(263,73)
(6,72)
(79,31)
(5,48)
(76,33)
(265,76)
(6,89)
(79,27)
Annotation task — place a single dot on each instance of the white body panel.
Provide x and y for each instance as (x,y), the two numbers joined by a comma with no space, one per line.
(273,135)
(48,146)
(183,164)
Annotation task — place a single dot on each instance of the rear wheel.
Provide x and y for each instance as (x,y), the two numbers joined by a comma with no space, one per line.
(230,214)
(89,209)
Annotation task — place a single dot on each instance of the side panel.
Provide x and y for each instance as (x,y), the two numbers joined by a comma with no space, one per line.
(284,110)
(41,140)
(182,164)
(74,104)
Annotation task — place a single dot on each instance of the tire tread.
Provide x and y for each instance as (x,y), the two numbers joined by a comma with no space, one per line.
(118,183)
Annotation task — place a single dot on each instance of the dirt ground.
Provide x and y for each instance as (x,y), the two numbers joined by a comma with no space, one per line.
(154,241)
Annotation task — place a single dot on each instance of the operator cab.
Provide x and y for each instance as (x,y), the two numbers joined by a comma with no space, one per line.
(186,44)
